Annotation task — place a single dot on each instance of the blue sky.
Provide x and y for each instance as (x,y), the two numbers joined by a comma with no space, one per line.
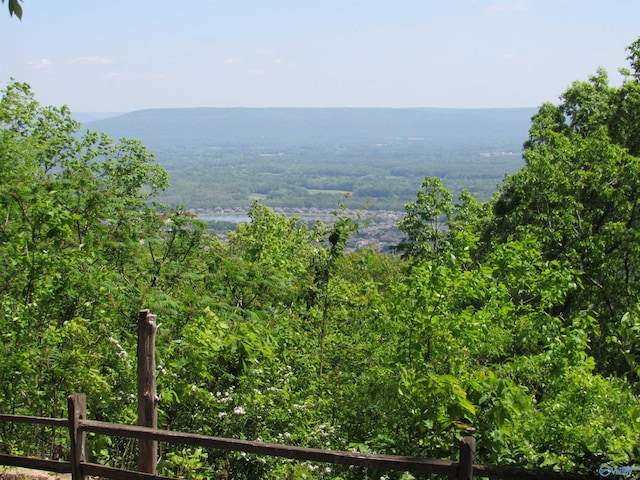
(123,55)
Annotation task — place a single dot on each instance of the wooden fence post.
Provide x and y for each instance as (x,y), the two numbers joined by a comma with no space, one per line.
(467,458)
(147,397)
(77,405)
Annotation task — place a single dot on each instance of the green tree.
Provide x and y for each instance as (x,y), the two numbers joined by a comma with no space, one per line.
(268,260)
(436,228)
(425,221)
(578,194)
(76,214)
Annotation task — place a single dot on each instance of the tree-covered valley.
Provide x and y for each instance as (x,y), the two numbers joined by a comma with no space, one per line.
(312,157)
(514,318)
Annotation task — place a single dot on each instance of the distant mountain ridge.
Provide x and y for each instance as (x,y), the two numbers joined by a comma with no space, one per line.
(295,126)
(85,117)
(312,157)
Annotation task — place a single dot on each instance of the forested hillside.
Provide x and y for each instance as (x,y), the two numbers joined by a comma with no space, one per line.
(514,319)
(311,157)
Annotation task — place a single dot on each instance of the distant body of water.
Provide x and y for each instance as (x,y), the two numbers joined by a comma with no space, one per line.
(234,218)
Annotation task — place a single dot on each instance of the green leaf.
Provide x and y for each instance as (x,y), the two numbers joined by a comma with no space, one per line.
(15,8)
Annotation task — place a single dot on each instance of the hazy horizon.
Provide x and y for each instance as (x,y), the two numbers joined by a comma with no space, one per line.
(123,56)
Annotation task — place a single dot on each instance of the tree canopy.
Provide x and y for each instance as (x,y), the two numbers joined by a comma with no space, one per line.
(578,194)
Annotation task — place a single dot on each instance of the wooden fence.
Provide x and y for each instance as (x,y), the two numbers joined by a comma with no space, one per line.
(78,426)
(148,436)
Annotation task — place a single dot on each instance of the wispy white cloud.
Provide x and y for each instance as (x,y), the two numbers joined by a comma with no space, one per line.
(257,71)
(233,60)
(42,64)
(113,75)
(91,61)
(510,5)
(265,51)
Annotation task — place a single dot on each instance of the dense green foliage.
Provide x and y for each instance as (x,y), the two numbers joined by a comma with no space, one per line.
(516,319)
(579,195)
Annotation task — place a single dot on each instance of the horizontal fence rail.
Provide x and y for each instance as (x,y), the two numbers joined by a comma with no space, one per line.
(78,426)
(52,422)
(47,465)
(56,466)
(382,462)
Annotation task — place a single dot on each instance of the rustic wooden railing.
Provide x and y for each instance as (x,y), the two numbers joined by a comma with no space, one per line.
(79,426)
(36,463)
(148,436)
